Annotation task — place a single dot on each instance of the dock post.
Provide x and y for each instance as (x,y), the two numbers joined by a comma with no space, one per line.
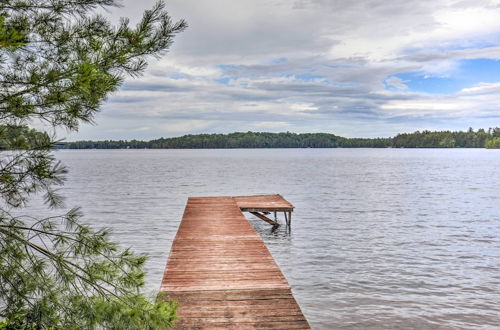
(288,218)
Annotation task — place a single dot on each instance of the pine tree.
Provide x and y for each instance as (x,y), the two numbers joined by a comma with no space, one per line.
(59,60)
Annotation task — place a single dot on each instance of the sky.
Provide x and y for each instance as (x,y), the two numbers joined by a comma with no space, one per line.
(367,68)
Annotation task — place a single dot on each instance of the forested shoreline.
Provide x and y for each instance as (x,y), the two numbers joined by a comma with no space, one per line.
(480,138)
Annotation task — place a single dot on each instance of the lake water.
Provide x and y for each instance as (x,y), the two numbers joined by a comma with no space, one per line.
(381,238)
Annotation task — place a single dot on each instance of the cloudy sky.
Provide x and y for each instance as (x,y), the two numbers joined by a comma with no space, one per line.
(361,68)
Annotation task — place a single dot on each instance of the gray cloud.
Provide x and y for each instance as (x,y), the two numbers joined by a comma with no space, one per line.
(307,65)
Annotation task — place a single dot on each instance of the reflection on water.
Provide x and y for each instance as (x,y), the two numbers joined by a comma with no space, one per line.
(385,238)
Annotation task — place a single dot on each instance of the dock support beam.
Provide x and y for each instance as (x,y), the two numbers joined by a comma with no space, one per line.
(287,214)
(266,219)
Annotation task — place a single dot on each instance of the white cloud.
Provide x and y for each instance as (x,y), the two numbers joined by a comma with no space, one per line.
(396,82)
(271,124)
(424,105)
(482,88)
(178,126)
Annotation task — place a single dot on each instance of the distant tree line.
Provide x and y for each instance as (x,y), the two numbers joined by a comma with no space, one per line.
(237,140)
(420,139)
(448,139)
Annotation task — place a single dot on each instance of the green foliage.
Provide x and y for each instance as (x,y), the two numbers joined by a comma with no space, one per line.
(70,61)
(237,140)
(10,37)
(493,143)
(80,278)
(23,138)
(58,62)
(444,139)
(424,139)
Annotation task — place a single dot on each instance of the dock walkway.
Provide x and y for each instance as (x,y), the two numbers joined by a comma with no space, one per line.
(221,272)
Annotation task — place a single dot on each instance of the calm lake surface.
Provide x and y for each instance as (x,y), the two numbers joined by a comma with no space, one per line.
(381,238)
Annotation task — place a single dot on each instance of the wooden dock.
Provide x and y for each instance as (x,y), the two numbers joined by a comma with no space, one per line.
(221,272)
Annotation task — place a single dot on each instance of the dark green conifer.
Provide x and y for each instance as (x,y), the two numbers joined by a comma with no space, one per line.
(59,60)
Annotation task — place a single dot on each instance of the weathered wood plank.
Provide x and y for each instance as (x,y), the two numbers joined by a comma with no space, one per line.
(221,272)
(263,203)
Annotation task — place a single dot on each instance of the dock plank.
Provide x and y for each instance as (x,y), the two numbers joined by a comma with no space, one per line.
(260,203)
(221,272)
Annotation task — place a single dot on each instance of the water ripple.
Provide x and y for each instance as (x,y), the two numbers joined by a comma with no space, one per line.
(381,239)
